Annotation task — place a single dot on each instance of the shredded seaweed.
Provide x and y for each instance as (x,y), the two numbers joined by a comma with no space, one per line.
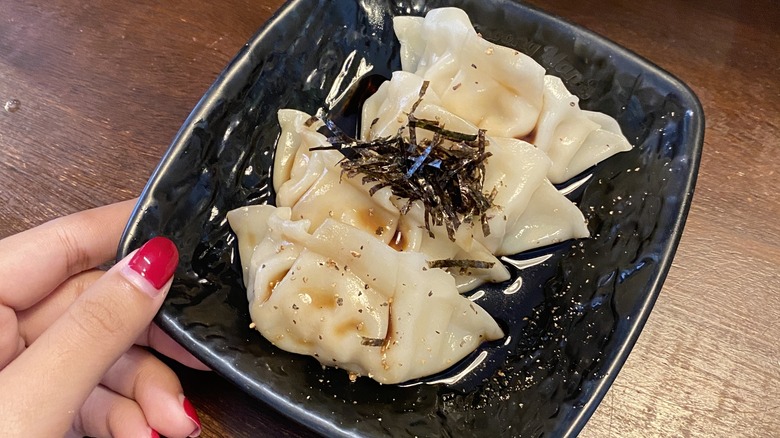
(372,342)
(445,170)
(460,263)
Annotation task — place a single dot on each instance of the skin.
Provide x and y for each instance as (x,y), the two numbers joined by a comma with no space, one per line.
(73,356)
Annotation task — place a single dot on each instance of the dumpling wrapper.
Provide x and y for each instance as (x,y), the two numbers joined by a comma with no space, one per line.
(262,230)
(351,301)
(296,166)
(311,182)
(574,139)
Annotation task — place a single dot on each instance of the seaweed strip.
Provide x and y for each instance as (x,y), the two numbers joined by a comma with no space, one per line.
(460,263)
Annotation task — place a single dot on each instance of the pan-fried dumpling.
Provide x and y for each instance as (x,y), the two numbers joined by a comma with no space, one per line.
(494,87)
(351,301)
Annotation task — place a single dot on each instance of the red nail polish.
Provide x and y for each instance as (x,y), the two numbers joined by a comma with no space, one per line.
(155,434)
(156,261)
(192,415)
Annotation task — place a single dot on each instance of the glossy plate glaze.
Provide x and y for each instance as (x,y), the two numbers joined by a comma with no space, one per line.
(572,312)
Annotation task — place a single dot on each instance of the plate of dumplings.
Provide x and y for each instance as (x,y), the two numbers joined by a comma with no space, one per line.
(424,218)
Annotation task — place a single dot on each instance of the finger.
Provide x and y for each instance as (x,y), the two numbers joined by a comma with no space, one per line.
(72,244)
(11,342)
(108,414)
(139,376)
(100,325)
(157,339)
(36,319)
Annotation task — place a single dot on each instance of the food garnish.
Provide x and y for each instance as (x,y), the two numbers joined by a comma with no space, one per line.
(445,170)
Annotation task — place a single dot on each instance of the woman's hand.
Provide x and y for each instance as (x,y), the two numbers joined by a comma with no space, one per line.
(71,336)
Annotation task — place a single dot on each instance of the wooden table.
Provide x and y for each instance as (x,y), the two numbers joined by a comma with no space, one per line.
(105,85)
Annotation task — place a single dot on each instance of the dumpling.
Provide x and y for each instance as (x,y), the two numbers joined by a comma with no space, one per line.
(312,184)
(268,241)
(348,201)
(529,212)
(549,218)
(331,195)
(574,139)
(244,222)
(296,166)
(387,111)
(494,87)
(351,301)
(401,93)
(505,92)
(514,172)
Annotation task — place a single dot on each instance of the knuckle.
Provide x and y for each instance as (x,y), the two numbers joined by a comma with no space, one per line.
(145,376)
(78,284)
(103,414)
(97,318)
(154,337)
(121,413)
(76,256)
(77,428)
(8,322)
(11,343)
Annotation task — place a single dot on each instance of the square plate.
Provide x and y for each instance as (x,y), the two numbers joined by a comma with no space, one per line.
(578,309)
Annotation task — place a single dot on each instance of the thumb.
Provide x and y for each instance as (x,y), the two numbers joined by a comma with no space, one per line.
(47,384)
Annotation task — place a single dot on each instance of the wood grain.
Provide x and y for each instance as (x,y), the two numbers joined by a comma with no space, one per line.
(104,86)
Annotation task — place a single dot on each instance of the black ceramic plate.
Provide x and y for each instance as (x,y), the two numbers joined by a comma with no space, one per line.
(578,313)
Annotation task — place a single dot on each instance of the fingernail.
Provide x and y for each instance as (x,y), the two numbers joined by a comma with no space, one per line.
(155,434)
(192,415)
(156,261)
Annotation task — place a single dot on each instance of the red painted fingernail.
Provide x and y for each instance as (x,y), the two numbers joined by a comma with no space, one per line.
(155,434)
(192,415)
(156,261)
